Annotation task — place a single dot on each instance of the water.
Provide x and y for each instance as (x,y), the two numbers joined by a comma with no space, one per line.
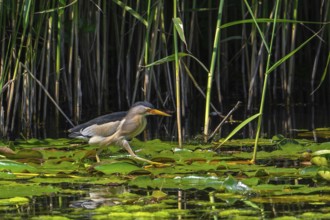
(99,202)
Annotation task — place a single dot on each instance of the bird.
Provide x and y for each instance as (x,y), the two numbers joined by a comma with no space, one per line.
(117,128)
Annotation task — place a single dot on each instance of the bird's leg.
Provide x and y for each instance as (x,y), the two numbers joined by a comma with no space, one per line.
(98,152)
(97,158)
(105,142)
(97,155)
(125,144)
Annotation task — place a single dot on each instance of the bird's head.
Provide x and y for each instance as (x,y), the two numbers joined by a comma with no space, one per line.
(146,108)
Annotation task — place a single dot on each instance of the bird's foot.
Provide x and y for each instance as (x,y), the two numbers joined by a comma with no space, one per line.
(158,165)
(152,163)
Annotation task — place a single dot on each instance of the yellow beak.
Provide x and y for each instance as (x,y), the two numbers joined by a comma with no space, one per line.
(158,112)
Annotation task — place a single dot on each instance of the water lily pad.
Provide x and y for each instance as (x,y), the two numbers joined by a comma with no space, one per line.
(7,175)
(309,171)
(235,186)
(185,182)
(251,181)
(15,167)
(119,167)
(14,201)
(56,166)
(50,217)
(318,132)
(261,172)
(158,194)
(325,174)
(19,190)
(285,199)
(319,161)
(238,213)
(27,155)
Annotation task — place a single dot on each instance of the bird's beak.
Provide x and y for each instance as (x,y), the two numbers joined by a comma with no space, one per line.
(158,112)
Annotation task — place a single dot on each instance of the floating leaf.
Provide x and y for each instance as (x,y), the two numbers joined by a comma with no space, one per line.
(233,185)
(237,213)
(185,182)
(309,171)
(18,190)
(7,175)
(251,181)
(14,201)
(324,174)
(158,194)
(120,167)
(261,172)
(15,167)
(52,217)
(319,161)
(319,132)
(27,155)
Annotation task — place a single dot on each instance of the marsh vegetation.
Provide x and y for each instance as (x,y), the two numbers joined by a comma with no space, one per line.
(64,62)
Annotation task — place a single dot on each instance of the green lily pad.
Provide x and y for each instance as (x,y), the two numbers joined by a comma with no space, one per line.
(181,182)
(158,194)
(14,201)
(235,186)
(56,166)
(325,174)
(27,155)
(309,171)
(15,167)
(7,175)
(319,161)
(50,217)
(119,167)
(19,190)
(319,132)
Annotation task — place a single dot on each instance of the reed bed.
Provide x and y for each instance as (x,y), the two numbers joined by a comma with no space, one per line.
(74,60)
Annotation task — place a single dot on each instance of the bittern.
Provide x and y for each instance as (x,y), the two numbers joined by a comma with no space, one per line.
(117,128)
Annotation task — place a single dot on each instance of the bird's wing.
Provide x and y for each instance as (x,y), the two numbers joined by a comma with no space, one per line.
(102,130)
(103,125)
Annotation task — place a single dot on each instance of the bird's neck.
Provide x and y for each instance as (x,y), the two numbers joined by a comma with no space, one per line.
(135,124)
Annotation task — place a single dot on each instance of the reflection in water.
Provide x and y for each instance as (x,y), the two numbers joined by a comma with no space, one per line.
(106,201)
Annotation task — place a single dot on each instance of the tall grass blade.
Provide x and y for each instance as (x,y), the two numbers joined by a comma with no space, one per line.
(238,128)
(58,8)
(323,75)
(285,58)
(256,23)
(265,83)
(177,77)
(179,28)
(269,20)
(132,12)
(212,68)
(171,58)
